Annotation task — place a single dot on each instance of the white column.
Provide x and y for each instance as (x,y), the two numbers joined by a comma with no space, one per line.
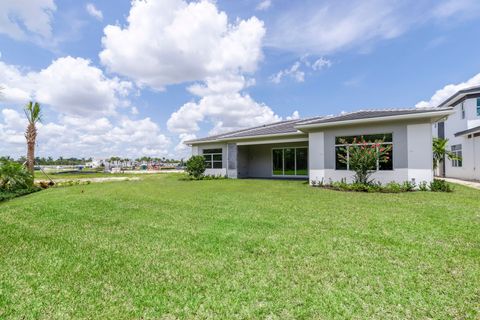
(316,157)
(420,163)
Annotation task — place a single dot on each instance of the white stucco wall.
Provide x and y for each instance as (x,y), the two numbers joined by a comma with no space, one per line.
(470,146)
(198,150)
(412,153)
(316,156)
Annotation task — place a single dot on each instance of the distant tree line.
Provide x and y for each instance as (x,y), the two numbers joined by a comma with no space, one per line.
(49,161)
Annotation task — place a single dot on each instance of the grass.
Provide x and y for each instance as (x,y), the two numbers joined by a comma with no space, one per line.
(238,249)
(83,175)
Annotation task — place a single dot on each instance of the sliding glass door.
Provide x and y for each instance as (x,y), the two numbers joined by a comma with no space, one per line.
(290,161)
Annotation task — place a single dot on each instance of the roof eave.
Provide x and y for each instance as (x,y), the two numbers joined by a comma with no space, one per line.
(429,115)
(193,142)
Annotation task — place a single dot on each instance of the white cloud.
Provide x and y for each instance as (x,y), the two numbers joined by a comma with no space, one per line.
(323,27)
(447,91)
(295,115)
(449,8)
(94,12)
(321,63)
(20,19)
(78,136)
(69,85)
(180,42)
(223,105)
(297,70)
(181,149)
(264,5)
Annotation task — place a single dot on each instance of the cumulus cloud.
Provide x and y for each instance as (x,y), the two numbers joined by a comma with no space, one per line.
(297,70)
(94,12)
(169,42)
(78,136)
(222,104)
(69,85)
(22,18)
(295,115)
(447,91)
(181,149)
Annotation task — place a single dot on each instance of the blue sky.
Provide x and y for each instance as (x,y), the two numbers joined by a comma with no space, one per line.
(137,78)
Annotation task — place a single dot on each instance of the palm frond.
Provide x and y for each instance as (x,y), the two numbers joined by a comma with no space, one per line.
(33,112)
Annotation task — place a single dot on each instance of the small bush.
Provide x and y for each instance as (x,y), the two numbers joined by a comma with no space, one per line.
(438,185)
(14,177)
(7,195)
(423,186)
(196,167)
(408,186)
(392,187)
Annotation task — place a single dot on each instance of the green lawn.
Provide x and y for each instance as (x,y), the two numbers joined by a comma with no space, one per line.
(162,248)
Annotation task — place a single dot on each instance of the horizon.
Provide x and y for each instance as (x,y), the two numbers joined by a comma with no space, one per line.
(139,78)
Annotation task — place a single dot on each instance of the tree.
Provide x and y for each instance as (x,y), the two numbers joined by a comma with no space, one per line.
(34,115)
(439,148)
(363,157)
(196,167)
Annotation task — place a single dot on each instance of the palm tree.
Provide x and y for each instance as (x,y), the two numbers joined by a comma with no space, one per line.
(440,151)
(34,115)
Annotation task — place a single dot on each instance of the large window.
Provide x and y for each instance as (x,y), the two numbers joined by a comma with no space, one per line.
(478,107)
(213,158)
(457,150)
(343,145)
(290,161)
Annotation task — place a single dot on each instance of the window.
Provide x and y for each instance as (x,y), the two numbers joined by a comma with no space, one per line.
(462,107)
(342,149)
(478,107)
(457,150)
(290,161)
(213,158)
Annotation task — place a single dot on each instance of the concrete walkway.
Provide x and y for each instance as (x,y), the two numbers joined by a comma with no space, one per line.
(471,184)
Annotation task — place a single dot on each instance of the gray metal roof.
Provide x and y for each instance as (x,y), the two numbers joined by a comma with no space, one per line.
(291,126)
(281,127)
(368,114)
(459,93)
(464,132)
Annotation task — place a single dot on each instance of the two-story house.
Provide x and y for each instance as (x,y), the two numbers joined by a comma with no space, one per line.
(462,129)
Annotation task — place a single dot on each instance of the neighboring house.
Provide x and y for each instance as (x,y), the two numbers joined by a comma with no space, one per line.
(462,129)
(308,148)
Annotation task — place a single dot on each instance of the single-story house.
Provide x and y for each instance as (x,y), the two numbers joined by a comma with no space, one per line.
(309,148)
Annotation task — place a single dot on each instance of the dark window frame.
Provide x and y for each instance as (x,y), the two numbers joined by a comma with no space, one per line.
(283,162)
(370,138)
(210,154)
(457,150)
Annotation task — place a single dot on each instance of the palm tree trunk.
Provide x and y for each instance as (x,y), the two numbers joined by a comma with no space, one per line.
(30,156)
(31,136)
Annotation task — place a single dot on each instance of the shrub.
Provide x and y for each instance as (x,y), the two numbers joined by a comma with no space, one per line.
(196,167)
(14,176)
(7,195)
(423,186)
(408,186)
(438,185)
(393,187)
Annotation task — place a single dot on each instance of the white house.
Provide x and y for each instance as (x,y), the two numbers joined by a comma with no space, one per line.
(462,129)
(309,148)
